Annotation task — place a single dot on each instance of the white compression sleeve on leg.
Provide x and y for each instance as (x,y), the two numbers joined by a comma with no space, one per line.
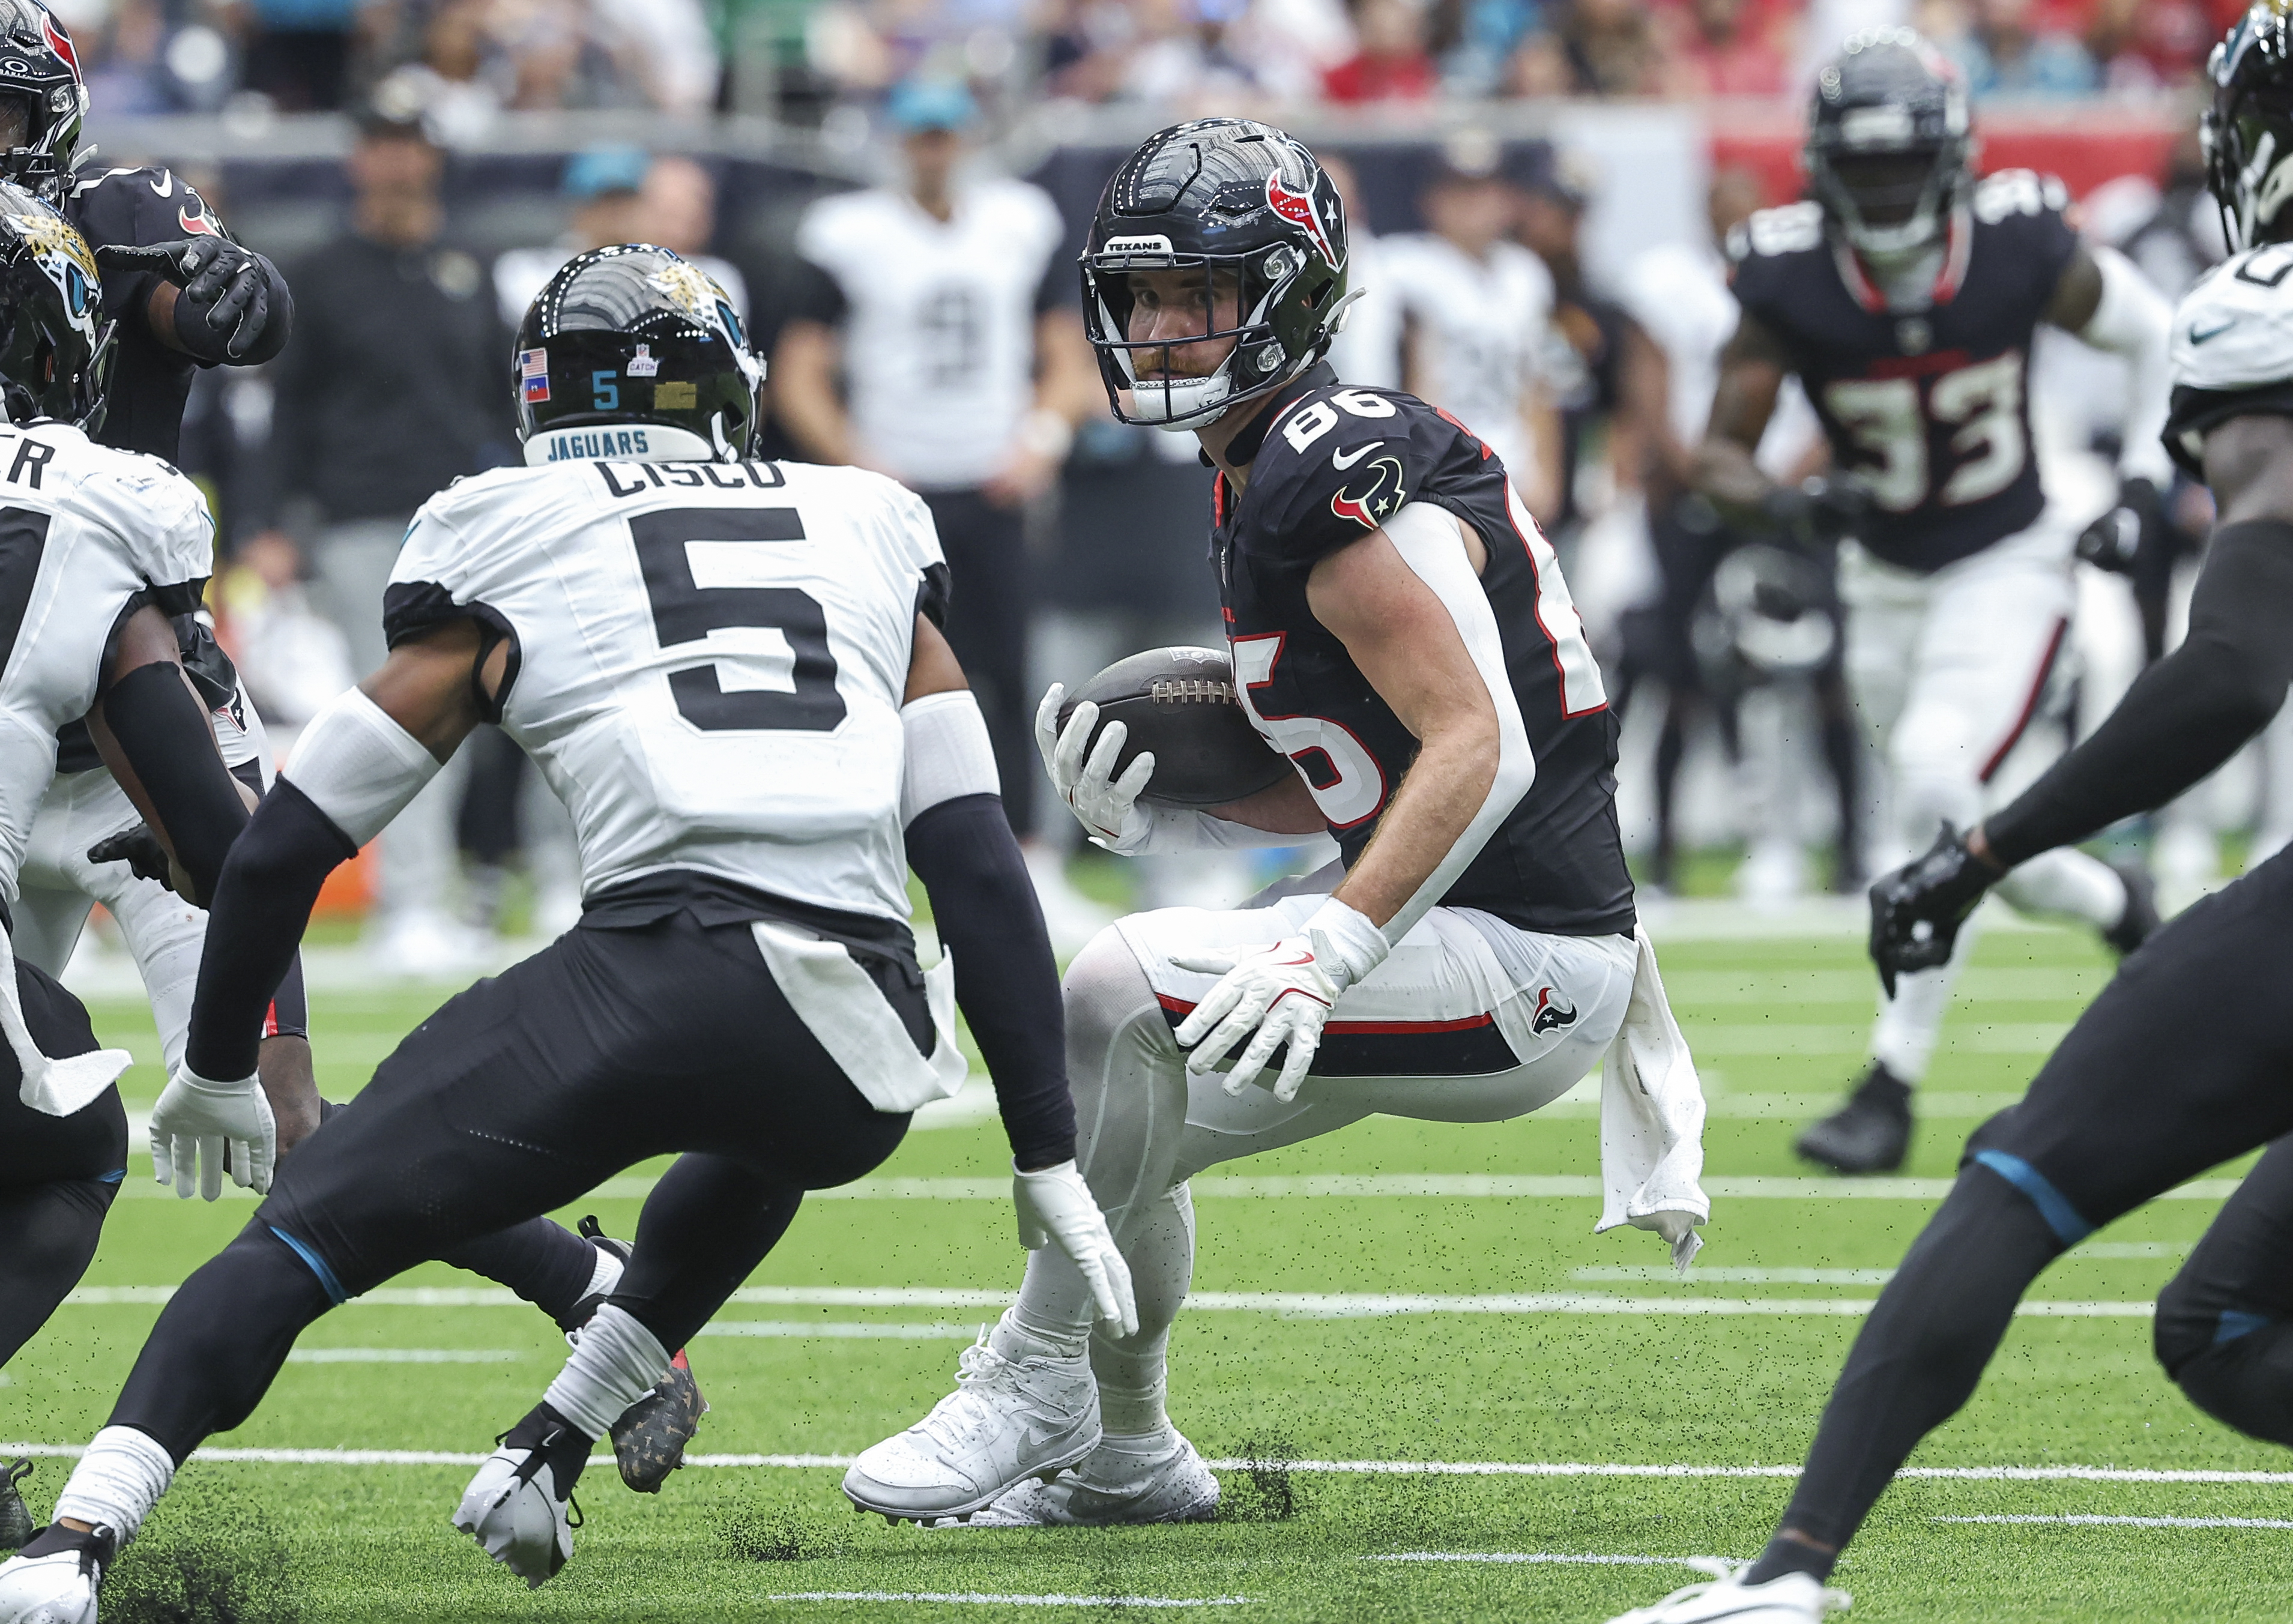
(947,755)
(118,1482)
(615,1364)
(358,766)
(2133,319)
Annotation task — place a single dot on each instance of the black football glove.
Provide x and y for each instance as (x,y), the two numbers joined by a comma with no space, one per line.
(1916,910)
(1820,510)
(227,287)
(140,849)
(2137,524)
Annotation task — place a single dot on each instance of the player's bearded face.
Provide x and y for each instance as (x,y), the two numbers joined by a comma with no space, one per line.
(1171,306)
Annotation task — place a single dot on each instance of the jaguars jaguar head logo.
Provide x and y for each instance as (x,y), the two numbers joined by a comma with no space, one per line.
(1372,497)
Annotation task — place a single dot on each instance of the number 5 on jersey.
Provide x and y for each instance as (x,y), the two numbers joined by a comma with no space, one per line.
(786,629)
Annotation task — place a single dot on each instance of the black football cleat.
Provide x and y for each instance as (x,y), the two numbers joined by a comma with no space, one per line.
(1870,1133)
(2141,916)
(16,1525)
(648,1440)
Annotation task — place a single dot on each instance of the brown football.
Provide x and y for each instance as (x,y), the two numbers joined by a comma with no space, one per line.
(1180,704)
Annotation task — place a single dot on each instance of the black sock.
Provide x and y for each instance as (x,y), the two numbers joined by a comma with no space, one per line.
(543,1262)
(1785,1555)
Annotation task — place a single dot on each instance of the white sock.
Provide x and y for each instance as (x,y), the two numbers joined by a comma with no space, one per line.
(1022,1335)
(606,1275)
(118,1482)
(1909,1024)
(616,1364)
(2068,882)
(1133,1372)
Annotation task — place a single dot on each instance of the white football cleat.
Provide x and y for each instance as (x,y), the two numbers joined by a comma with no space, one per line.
(1007,1420)
(1157,1478)
(1790,1598)
(513,1508)
(55,1579)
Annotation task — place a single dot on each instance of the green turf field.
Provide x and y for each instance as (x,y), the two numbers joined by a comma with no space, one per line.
(1399,1294)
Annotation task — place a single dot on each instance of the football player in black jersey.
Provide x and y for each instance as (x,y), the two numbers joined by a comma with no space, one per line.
(2179,1065)
(1905,296)
(1401,632)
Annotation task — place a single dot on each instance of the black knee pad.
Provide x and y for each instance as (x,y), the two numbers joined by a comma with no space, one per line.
(2245,1382)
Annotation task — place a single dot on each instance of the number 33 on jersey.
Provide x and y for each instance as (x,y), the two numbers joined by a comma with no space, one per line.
(705,658)
(1335,465)
(1928,409)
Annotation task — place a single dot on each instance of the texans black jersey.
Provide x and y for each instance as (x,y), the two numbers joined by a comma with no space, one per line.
(1335,463)
(1929,410)
(149,381)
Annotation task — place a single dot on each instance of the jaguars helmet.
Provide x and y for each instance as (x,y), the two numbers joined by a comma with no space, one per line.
(1246,207)
(2248,131)
(634,338)
(1890,146)
(43,99)
(55,347)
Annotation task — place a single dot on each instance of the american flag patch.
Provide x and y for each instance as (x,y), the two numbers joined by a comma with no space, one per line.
(533,375)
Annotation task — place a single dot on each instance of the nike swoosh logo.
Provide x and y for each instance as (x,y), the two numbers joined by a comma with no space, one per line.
(1343,460)
(2198,337)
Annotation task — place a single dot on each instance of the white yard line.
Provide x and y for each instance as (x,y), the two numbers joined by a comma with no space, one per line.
(2099,1521)
(1706,1564)
(1290,1304)
(982,1599)
(860,1329)
(1377,1468)
(404,1356)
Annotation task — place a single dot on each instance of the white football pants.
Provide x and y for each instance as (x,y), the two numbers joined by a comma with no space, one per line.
(1552,1005)
(58,887)
(1947,672)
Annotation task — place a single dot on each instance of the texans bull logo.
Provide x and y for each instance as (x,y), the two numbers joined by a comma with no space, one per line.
(1380,497)
(1298,208)
(1550,1015)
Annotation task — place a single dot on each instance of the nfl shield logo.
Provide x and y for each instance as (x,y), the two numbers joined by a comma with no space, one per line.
(533,375)
(642,365)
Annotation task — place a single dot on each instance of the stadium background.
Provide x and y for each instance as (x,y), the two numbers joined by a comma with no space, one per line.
(1443,1396)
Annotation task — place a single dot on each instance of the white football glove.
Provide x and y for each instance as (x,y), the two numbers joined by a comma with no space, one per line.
(1054,1203)
(1285,991)
(195,1118)
(1107,806)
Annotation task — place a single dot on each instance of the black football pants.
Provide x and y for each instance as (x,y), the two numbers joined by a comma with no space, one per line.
(57,1174)
(2183,1061)
(606,1049)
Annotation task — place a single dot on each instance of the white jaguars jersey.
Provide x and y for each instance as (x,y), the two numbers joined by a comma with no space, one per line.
(2233,335)
(707,659)
(1480,326)
(83,532)
(939,333)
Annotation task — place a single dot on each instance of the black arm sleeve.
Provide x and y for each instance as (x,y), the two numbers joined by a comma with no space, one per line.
(169,742)
(255,927)
(2186,714)
(1005,977)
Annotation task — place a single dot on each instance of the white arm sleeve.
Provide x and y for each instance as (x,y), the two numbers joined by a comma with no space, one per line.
(359,766)
(1432,544)
(2134,320)
(947,753)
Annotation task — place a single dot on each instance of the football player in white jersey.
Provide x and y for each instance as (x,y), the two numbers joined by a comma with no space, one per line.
(1476,309)
(729,672)
(98,548)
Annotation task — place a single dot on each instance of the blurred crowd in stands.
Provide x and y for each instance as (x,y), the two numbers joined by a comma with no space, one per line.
(803,58)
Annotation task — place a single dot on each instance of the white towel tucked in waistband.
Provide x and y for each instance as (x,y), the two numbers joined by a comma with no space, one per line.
(1652,1120)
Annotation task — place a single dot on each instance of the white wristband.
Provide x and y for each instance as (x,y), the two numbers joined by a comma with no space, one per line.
(1345,940)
